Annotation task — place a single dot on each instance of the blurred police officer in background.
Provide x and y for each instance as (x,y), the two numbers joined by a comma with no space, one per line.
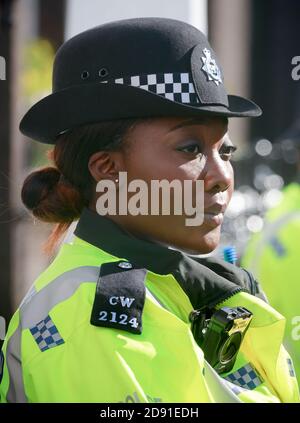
(273,255)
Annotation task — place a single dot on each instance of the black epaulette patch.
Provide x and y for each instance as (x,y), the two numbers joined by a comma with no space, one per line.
(120,297)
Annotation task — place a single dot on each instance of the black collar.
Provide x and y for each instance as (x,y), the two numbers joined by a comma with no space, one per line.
(206,281)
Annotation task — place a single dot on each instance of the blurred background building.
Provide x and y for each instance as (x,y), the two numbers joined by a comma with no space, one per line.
(255,42)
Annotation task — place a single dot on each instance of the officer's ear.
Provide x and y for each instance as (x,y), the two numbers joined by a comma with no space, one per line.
(105,165)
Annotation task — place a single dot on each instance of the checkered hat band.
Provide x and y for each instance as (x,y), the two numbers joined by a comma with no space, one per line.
(46,334)
(246,377)
(177,87)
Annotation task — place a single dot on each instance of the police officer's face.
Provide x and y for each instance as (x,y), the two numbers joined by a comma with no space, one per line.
(185,150)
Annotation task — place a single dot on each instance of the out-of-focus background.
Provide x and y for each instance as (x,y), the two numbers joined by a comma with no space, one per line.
(256,42)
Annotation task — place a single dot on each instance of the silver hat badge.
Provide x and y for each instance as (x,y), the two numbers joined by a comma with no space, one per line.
(211,68)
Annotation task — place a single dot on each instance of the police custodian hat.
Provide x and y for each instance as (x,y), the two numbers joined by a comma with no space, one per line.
(133,68)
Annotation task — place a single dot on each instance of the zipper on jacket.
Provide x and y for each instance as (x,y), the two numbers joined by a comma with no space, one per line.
(222,299)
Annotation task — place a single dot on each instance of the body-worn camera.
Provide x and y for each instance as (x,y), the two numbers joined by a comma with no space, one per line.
(220,333)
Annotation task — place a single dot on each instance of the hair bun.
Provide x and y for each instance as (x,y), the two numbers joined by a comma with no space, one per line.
(38,185)
(50,197)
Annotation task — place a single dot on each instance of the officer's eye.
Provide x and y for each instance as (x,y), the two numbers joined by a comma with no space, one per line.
(227,151)
(193,148)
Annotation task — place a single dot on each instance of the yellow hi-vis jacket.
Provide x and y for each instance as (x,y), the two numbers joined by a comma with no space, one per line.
(273,257)
(52,352)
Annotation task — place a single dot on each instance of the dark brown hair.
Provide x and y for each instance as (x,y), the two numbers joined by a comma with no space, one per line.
(58,194)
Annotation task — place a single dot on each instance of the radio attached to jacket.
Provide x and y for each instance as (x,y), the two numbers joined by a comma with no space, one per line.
(220,334)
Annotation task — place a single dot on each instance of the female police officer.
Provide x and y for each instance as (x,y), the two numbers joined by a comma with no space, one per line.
(109,320)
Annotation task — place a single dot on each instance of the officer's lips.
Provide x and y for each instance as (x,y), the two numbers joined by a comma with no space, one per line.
(214,214)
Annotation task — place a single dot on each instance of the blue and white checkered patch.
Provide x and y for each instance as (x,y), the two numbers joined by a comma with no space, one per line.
(291,367)
(46,334)
(176,86)
(245,377)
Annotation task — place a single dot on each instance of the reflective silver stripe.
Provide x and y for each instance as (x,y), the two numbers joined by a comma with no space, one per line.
(16,391)
(222,392)
(59,290)
(34,308)
(270,230)
(32,291)
(155,299)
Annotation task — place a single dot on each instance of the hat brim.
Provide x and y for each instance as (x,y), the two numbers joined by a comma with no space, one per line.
(79,105)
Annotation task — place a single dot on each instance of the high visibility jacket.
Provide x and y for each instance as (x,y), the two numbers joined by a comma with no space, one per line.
(54,354)
(274,258)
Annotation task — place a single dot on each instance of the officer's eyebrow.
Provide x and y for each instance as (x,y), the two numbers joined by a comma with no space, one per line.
(194,121)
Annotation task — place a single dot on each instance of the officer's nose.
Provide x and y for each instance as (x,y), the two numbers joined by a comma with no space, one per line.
(218,175)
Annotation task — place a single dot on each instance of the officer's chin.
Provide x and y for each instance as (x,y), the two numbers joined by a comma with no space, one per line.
(203,243)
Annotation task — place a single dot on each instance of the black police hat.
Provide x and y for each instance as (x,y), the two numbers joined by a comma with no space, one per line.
(134,68)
